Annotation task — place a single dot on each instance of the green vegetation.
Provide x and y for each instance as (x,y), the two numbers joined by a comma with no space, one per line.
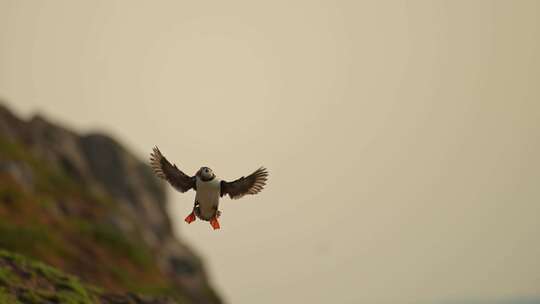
(109,237)
(22,239)
(6,276)
(26,281)
(7,298)
(10,194)
(13,151)
(49,181)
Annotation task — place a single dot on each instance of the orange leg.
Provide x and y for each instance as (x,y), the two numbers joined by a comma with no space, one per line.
(214,222)
(190,218)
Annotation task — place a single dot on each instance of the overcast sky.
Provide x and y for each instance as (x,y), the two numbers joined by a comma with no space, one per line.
(402,138)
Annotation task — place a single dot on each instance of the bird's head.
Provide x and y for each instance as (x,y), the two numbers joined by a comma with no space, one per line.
(205,174)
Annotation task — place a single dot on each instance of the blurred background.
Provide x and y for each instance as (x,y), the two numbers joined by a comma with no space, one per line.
(402,137)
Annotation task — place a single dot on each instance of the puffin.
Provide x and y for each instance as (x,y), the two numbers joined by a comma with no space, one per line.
(208,187)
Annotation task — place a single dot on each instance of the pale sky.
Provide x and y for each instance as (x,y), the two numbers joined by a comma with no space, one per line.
(402,138)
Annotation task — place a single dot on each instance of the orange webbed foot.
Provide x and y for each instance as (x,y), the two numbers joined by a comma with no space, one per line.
(214,222)
(190,218)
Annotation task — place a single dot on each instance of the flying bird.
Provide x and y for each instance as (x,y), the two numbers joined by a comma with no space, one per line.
(209,188)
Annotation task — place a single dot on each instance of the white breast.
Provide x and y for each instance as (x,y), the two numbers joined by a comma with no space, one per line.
(208,196)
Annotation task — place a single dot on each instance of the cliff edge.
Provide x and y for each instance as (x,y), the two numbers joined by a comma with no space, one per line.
(86,205)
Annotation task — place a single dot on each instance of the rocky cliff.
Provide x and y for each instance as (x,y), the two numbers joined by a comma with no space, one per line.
(86,205)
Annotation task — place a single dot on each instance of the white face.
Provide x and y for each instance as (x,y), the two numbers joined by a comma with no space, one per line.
(206,173)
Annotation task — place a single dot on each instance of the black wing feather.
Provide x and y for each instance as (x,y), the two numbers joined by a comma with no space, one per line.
(252,184)
(169,172)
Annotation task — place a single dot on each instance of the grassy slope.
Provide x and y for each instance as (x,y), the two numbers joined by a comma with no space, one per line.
(26,281)
(23,280)
(82,242)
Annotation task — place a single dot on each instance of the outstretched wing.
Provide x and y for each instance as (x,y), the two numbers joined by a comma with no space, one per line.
(164,169)
(252,184)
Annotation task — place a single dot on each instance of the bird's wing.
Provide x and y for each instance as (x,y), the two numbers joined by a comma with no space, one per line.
(164,169)
(252,184)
